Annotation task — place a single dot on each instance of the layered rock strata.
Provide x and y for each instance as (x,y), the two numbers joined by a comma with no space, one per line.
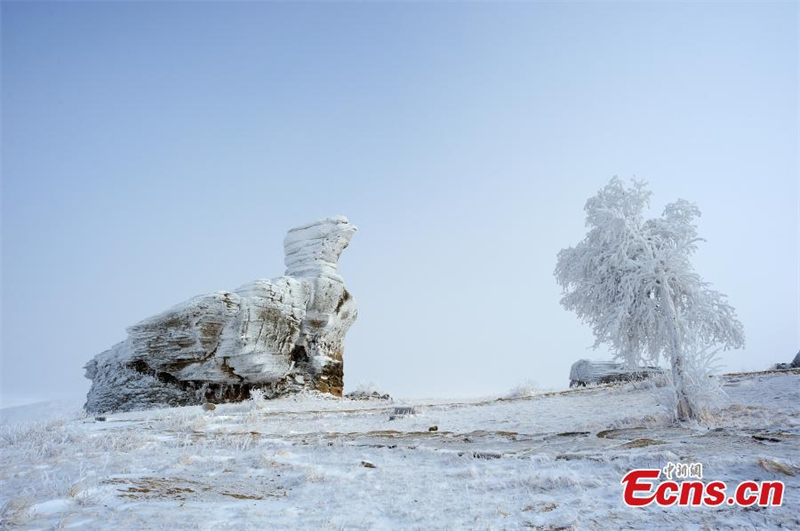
(279,335)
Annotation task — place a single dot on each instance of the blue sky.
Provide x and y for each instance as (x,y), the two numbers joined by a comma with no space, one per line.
(154,151)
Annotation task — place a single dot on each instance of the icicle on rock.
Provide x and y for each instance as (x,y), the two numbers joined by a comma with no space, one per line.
(279,336)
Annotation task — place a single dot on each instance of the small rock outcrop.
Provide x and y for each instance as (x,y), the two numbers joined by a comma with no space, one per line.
(795,364)
(364,395)
(281,335)
(587,372)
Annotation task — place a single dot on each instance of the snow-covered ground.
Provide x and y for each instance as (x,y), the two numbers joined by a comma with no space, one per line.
(321,463)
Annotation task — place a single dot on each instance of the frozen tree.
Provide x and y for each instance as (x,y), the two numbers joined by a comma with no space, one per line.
(631,279)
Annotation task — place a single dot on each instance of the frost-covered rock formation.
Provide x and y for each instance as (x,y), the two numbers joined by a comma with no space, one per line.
(586,372)
(278,335)
(795,364)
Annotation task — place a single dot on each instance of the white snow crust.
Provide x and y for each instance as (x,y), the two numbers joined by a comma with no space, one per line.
(316,462)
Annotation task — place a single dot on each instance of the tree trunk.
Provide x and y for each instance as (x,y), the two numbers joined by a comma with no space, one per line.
(685,409)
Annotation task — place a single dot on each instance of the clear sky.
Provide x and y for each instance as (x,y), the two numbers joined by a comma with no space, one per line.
(155,151)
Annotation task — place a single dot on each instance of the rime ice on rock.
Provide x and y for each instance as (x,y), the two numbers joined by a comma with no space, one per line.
(587,372)
(278,335)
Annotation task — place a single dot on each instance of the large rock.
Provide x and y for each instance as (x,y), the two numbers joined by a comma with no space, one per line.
(279,335)
(586,372)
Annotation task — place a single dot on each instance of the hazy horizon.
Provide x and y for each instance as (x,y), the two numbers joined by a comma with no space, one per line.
(152,152)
